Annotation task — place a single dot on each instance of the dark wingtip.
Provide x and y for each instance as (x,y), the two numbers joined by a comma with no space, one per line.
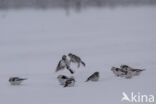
(24,78)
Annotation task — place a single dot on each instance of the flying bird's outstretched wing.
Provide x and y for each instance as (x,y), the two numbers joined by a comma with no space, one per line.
(60,66)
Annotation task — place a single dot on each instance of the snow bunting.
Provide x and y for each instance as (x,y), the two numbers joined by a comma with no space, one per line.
(76,59)
(94,77)
(66,81)
(131,70)
(16,80)
(64,63)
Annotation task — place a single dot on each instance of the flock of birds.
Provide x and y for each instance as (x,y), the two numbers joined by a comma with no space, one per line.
(124,71)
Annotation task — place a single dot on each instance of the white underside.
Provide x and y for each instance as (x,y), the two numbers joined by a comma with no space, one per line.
(16,83)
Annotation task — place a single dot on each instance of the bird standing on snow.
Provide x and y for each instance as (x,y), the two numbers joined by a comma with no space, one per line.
(66,81)
(64,63)
(76,59)
(70,82)
(94,77)
(16,80)
(131,70)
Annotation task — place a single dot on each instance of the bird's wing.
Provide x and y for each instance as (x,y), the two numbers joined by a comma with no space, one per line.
(21,79)
(138,70)
(59,66)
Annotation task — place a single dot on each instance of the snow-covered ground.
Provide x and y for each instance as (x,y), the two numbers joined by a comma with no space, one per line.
(33,41)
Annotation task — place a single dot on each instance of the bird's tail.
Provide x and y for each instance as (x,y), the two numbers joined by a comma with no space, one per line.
(23,79)
(139,70)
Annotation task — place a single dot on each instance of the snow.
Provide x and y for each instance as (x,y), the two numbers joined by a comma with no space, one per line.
(33,41)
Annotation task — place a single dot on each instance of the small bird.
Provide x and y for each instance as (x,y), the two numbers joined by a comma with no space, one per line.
(76,59)
(64,63)
(94,77)
(62,79)
(16,80)
(70,82)
(118,72)
(133,71)
(66,81)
